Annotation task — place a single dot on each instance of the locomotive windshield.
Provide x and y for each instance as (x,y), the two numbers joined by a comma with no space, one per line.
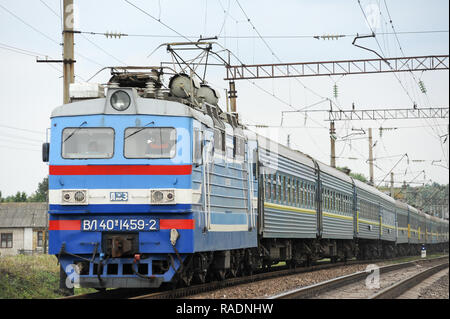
(159,142)
(81,143)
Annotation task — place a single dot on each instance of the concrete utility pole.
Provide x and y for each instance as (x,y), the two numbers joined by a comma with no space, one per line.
(233,96)
(68,52)
(392,185)
(333,145)
(371,157)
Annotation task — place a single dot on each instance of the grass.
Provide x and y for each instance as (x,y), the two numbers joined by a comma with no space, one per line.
(31,277)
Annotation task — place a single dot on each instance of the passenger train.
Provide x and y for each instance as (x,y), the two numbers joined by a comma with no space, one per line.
(151,185)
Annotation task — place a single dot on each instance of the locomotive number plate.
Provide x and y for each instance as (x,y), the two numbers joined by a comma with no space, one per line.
(118,196)
(128,224)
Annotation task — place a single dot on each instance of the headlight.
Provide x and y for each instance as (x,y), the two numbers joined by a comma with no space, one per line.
(162,197)
(74,197)
(158,197)
(120,100)
(79,196)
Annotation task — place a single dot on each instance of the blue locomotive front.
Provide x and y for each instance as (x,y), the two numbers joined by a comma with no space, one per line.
(143,191)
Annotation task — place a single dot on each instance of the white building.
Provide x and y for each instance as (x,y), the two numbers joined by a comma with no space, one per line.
(23,228)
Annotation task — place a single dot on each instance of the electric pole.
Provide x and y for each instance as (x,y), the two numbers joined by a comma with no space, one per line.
(371,157)
(392,185)
(68,51)
(233,96)
(333,145)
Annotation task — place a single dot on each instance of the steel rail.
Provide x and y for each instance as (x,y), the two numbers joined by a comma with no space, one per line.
(211,286)
(403,286)
(332,284)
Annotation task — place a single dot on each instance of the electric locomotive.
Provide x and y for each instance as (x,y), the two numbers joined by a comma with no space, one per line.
(144,186)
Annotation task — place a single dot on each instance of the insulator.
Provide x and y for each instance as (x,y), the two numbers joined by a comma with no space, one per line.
(422,87)
(335,91)
(114,35)
(150,88)
(329,37)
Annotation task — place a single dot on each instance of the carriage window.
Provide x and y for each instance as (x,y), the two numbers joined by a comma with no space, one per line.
(239,147)
(279,187)
(274,188)
(294,192)
(82,143)
(198,147)
(302,199)
(153,142)
(333,200)
(308,194)
(267,183)
(219,141)
(288,185)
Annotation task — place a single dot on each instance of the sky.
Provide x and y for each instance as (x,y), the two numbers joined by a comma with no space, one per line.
(29,91)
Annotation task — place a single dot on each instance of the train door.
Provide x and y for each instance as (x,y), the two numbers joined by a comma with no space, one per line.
(355,210)
(208,162)
(319,188)
(252,178)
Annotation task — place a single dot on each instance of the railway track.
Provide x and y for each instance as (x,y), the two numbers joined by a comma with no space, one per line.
(335,286)
(403,286)
(168,293)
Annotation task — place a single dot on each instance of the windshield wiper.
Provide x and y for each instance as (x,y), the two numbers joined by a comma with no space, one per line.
(75,130)
(139,130)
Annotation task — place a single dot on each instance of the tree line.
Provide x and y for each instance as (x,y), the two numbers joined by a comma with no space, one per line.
(40,195)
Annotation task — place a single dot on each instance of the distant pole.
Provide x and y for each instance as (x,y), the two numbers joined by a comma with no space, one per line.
(233,96)
(68,51)
(333,145)
(371,157)
(392,185)
(226,98)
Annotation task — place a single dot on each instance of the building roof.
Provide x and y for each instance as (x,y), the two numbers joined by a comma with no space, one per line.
(14,215)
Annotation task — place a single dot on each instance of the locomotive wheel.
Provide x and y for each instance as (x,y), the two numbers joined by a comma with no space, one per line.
(248,271)
(234,270)
(220,274)
(200,277)
(186,278)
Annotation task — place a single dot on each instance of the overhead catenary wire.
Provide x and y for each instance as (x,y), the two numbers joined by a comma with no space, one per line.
(382,51)
(84,37)
(274,55)
(22,129)
(414,87)
(29,25)
(435,129)
(175,31)
(157,20)
(20,137)
(45,35)
(2,139)
(20,148)
(35,55)
(220,36)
